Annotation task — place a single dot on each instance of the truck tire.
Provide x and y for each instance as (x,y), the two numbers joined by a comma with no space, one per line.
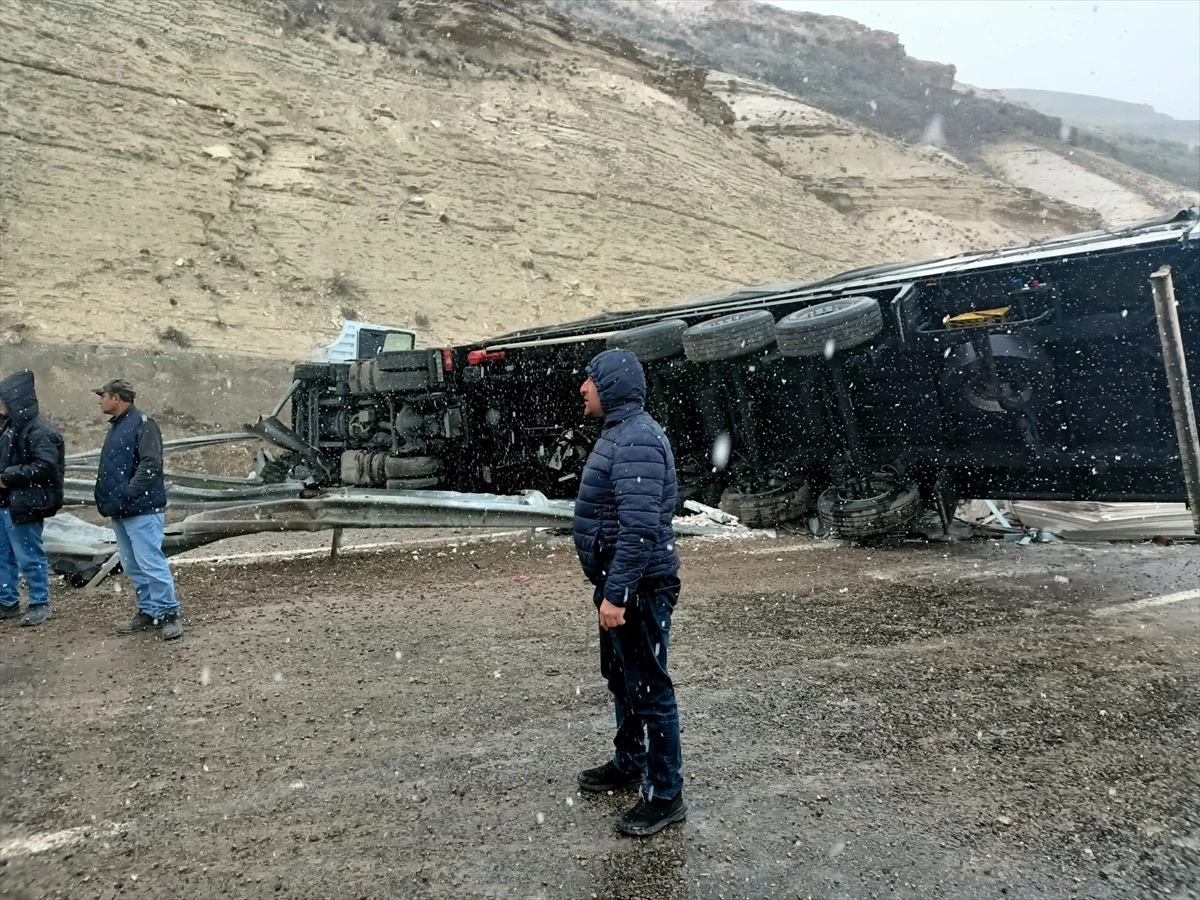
(363,469)
(79,578)
(729,337)
(412,466)
(893,507)
(658,340)
(830,326)
(785,503)
(412,484)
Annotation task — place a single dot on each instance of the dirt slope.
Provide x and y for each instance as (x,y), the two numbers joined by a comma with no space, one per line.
(248,187)
(1117,192)
(920,199)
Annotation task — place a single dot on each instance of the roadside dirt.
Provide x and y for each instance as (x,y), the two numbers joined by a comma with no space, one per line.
(920,721)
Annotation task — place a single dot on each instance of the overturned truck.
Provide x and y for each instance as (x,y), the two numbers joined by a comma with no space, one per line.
(1025,373)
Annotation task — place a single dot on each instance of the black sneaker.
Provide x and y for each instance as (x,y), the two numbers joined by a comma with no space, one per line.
(172,625)
(141,622)
(608,778)
(10,612)
(36,615)
(650,816)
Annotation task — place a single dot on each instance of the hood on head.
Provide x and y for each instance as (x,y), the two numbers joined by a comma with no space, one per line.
(18,395)
(618,377)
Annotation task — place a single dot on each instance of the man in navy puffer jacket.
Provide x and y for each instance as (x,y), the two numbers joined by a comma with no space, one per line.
(626,545)
(131,490)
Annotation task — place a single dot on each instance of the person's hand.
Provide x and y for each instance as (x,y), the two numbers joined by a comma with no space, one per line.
(611,615)
(2,484)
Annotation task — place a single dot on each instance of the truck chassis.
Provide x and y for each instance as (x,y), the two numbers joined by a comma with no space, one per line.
(1025,373)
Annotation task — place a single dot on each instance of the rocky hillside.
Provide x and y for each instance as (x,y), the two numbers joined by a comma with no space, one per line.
(863,75)
(227,180)
(194,195)
(922,199)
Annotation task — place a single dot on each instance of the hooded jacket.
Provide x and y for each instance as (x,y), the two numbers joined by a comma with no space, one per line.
(32,455)
(622,524)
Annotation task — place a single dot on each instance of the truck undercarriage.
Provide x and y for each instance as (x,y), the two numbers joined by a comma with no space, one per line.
(1026,373)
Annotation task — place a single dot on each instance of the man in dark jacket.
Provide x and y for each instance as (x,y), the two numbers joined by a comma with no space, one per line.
(32,463)
(131,490)
(626,545)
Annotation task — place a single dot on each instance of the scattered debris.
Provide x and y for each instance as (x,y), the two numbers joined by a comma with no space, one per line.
(716,515)
(1086,521)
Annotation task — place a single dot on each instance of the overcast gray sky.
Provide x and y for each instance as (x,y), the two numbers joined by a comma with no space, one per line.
(1142,52)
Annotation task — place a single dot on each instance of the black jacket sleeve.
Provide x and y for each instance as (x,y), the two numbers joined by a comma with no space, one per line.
(150,458)
(42,467)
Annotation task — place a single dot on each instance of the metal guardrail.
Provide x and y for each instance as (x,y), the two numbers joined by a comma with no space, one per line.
(89,458)
(79,548)
(366,508)
(80,492)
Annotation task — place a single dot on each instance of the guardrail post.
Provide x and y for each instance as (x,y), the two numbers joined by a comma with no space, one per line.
(1180,387)
(104,572)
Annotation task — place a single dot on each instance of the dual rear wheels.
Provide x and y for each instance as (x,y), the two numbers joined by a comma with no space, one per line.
(868,507)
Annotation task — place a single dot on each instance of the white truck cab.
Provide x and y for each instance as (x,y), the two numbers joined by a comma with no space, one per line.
(363,340)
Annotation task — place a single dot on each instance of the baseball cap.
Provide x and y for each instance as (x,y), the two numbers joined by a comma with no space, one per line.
(118,386)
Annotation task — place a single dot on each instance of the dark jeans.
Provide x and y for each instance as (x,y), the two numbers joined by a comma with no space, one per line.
(633,659)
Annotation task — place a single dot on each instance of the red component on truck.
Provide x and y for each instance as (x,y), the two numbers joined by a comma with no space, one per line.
(478,357)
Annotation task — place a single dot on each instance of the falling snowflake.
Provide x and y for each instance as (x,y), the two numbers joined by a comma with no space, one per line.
(935,132)
(721,449)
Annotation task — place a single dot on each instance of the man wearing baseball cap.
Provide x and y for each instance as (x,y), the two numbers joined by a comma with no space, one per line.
(131,491)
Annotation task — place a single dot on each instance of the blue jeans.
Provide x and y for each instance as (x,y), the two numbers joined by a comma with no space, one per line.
(21,553)
(140,541)
(633,659)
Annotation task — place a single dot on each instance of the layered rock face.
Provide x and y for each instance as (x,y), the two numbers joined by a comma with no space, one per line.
(196,194)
